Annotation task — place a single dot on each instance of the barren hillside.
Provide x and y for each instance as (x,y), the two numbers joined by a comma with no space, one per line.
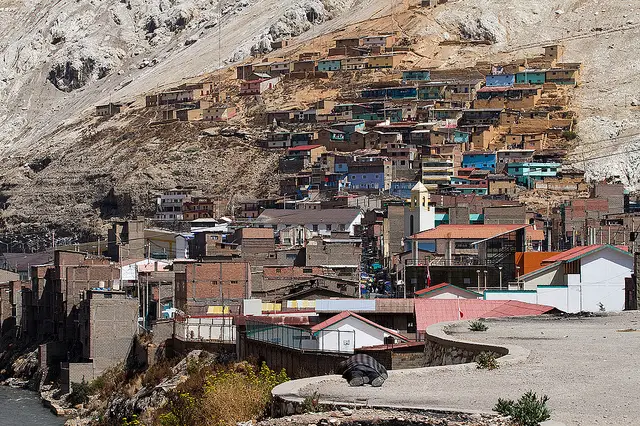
(59,163)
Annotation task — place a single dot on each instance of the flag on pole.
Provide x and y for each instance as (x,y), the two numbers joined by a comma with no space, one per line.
(428,274)
(460,314)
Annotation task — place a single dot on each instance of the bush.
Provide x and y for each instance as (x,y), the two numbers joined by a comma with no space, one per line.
(109,382)
(529,410)
(311,403)
(487,361)
(222,397)
(569,135)
(478,326)
(80,393)
(157,373)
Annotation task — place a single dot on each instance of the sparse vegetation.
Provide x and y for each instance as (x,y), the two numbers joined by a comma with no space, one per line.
(478,325)
(109,382)
(157,373)
(487,361)
(529,410)
(569,135)
(311,403)
(222,396)
(80,393)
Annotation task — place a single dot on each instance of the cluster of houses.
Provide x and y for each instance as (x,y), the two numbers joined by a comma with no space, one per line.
(464,133)
(349,54)
(397,209)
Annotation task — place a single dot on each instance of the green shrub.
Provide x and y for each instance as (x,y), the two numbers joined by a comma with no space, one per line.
(529,410)
(478,325)
(80,393)
(221,397)
(569,135)
(487,361)
(133,422)
(311,403)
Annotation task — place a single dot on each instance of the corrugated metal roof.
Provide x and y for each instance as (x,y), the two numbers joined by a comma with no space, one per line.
(433,311)
(344,315)
(339,305)
(574,253)
(468,232)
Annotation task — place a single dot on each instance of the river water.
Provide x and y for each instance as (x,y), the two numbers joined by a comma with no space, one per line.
(19,407)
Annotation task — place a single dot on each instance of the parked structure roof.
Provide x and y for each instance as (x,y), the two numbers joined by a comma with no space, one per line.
(580,251)
(346,314)
(433,311)
(466,232)
(301,217)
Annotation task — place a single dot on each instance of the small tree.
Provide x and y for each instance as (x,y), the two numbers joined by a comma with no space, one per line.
(529,410)
(79,393)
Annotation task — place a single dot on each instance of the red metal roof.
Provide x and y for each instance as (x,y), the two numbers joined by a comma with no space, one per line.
(444,285)
(433,311)
(343,315)
(467,232)
(568,255)
(304,148)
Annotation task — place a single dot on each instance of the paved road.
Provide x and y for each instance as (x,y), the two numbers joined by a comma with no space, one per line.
(588,367)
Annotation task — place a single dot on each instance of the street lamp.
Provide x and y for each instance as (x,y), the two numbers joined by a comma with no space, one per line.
(518,275)
(478,272)
(485,279)
(500,270)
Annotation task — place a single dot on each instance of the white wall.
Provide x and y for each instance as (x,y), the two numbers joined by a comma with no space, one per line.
(553,276)
(603,280)
(522,296)
(349,334)
(445,294)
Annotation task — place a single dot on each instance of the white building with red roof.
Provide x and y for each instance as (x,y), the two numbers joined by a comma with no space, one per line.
(583,279)
(348,331)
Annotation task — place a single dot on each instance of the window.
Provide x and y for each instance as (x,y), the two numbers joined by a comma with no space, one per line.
(328,227)
(315,228)
(278,270)
(341,227)
(463,245)
(291,256)
(234,282)
(307,270)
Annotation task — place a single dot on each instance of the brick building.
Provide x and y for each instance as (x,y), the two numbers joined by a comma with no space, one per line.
(200,285)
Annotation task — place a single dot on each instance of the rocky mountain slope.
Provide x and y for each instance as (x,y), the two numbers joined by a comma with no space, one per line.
(59,163)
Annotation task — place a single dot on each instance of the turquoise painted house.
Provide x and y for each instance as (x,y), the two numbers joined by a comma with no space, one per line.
(329,65)
(527,174)
(461,137)
(416,75)
(531,77)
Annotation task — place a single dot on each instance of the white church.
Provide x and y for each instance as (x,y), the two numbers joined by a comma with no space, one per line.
(420,213)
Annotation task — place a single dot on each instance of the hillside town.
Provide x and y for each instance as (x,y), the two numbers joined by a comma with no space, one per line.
(419,196)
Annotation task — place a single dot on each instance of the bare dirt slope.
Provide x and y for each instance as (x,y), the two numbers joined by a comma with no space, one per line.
(57,64)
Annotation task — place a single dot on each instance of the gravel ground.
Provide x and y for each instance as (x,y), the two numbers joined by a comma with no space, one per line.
(366,417)
(587,366)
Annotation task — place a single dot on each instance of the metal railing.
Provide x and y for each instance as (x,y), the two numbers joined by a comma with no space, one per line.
(466,261)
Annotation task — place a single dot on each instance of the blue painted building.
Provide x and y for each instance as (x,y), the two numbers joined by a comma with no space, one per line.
(527,174)
(483,160)
(501,80)
(390,93)
(329,64)
(416,75)
(531,77)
